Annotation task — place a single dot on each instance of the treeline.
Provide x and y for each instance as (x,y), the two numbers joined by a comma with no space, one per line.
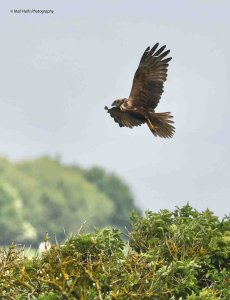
(44,195)
(181,254)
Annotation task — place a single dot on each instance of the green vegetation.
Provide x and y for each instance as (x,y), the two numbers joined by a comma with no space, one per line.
(169,255)
(179,255)
(44,195)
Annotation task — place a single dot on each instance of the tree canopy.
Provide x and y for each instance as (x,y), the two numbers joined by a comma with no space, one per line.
(45,195)
(170,255)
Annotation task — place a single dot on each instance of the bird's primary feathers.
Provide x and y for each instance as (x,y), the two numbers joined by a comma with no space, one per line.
(147,88)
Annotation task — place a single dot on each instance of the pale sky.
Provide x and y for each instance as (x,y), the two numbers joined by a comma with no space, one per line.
(59,70)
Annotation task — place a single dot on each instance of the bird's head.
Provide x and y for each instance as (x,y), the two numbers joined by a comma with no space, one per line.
(118,102)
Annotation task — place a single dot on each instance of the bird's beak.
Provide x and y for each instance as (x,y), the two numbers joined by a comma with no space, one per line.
(106,108)
(113,104)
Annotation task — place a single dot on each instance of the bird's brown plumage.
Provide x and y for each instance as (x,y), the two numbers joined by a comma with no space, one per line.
(145,95)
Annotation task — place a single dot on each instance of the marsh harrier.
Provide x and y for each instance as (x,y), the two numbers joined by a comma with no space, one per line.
(147,88)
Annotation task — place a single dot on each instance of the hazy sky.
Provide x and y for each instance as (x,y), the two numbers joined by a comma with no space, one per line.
(59,70)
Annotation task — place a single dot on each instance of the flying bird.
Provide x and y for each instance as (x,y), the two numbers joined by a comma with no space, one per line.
(146,91)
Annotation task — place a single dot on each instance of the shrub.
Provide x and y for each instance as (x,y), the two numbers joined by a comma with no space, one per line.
(180,255)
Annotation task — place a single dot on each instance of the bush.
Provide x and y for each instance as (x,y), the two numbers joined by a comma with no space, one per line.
(180,255)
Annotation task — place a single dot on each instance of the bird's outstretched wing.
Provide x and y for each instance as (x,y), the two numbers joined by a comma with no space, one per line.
(124,119)
(149,77)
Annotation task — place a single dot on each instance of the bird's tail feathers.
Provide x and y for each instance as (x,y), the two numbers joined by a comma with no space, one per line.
(163,124)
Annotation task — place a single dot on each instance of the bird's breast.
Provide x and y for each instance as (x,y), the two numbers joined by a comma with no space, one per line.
(126,105)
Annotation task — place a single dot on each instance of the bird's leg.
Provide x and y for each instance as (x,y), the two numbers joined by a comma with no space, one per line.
(151,125)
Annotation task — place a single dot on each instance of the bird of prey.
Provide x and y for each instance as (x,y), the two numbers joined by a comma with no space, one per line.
(147,88)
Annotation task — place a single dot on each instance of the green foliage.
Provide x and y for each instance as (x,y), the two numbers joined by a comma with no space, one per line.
(195,246)
(11,205)
(114,188)
(57,198)
(179,255)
